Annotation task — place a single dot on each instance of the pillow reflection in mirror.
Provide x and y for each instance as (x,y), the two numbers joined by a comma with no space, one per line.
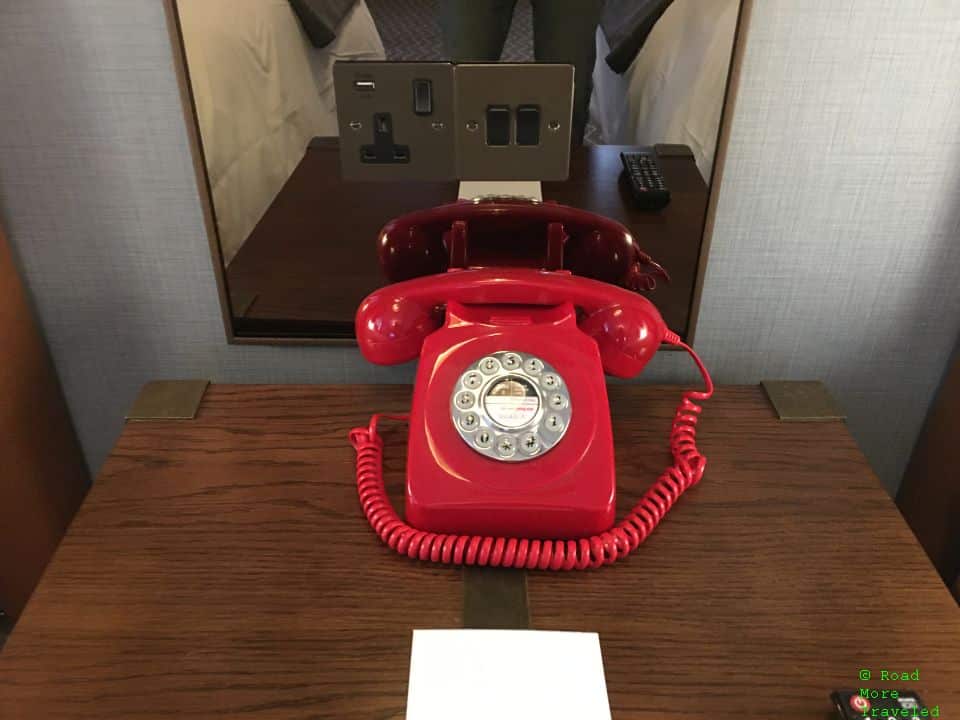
(673,90)
(262,92)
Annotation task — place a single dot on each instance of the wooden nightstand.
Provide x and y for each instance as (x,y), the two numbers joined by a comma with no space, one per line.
(222,566)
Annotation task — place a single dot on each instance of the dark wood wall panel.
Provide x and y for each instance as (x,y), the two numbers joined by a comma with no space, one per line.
(929,496)
(44,477)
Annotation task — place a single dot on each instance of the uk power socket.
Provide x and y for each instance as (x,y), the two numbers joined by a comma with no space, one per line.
(395,120)
(440,121)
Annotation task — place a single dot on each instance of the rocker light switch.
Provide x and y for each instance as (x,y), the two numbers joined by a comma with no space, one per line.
(528,125)
(498,125)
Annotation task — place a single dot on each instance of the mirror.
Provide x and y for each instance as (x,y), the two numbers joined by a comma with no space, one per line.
(295,245)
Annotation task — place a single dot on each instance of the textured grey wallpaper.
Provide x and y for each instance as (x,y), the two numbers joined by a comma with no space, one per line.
(835,254)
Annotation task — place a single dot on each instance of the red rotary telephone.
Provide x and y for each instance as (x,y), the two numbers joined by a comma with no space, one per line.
(510,434)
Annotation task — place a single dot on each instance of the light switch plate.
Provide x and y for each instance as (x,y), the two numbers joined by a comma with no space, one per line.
(383,136)
(548,87)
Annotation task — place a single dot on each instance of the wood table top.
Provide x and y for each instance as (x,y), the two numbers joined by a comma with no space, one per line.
(221,567)
(312,258)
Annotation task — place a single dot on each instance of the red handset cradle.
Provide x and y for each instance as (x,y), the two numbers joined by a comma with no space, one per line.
(515,232)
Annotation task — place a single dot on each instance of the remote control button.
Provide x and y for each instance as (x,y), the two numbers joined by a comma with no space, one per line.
(489,365)
(510,361)
(529,444)
(554,423)
(469,421)
(473,380)
(558,401)
(860,704)
(550,381)
(484,439)
(506,446)
(534,366)
(465,400)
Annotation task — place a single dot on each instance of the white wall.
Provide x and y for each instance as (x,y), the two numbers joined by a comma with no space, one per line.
(835,254)
(837,246)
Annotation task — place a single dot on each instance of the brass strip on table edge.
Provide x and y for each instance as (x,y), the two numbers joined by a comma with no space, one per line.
(495,599)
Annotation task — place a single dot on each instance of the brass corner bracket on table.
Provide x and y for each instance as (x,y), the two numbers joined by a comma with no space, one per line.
(802,401)
(168,400)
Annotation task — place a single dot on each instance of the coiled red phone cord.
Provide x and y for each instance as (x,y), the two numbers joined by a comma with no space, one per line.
(603,549)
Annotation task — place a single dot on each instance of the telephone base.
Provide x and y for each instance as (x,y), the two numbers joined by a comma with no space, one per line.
(565,490)
(512,521)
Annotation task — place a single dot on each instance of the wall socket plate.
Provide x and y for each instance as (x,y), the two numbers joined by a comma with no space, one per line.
(441,121)
(369,91)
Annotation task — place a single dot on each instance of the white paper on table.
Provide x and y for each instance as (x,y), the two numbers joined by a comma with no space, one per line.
(506,674)
(470,189)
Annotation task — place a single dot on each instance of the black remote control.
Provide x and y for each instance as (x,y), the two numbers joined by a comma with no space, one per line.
(851,705)
(646,183)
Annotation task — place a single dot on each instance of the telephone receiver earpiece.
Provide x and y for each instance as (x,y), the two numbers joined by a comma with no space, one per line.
(391,327)
(628,336)
(392,322)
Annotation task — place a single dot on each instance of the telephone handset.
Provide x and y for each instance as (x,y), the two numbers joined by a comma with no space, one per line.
(516,232)
(510,434)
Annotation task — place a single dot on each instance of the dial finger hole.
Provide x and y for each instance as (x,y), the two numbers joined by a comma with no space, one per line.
(489,365)
(554,423)
(529,444)
(506,446)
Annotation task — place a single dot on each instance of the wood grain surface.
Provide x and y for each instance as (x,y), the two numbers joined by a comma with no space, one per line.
(221,567)
(312,257)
